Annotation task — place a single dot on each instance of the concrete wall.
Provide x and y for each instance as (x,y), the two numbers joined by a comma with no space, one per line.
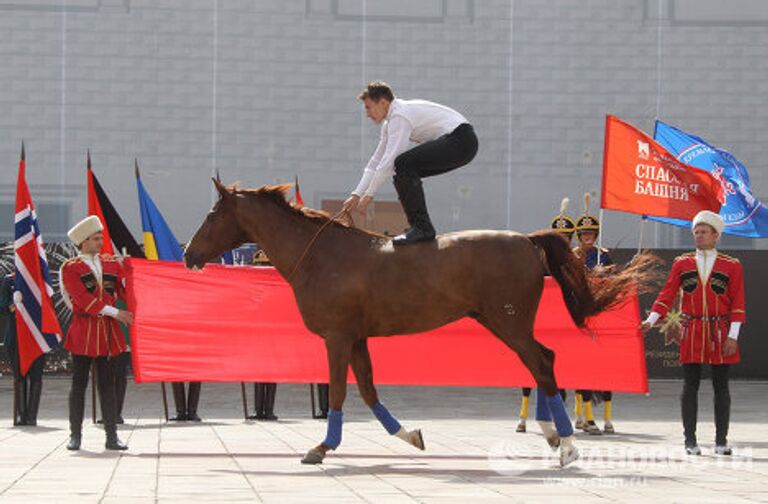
(263,90)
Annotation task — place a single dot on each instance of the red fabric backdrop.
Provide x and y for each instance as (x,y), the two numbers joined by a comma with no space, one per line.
(235,323)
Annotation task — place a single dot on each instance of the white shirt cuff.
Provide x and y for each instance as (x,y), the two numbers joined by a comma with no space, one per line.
(733,332)
(109,311)
(653,317)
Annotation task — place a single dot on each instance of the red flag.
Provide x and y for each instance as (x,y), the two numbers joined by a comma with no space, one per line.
(640,176)
(297,195)
(94,208)
(37,327)
(256,333)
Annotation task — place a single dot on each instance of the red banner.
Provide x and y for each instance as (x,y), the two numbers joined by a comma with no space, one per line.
(640,176)
(240,323)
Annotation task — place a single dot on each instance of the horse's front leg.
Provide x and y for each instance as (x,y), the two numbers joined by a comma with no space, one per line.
(338,348)
(361,366)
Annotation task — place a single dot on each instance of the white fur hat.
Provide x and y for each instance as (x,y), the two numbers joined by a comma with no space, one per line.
(711,218)
(84,229)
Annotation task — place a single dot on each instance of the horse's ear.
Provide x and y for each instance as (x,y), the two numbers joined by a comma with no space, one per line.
(223,191)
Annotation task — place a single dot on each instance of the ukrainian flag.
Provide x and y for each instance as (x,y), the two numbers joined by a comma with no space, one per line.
(159,242)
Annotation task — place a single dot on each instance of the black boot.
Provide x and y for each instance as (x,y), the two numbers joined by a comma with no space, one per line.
(113,442)
(192,401)
(121,383)
(180,401)
(722,414)
(19,402)
(259,394)
(269,401)
(322,399)
(74,442)
(35,390)
(410,191)
(690,407)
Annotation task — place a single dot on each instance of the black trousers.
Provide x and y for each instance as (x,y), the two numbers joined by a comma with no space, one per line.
(186,402)
(441,155)
(689,402)
(105,378)
(27,388)
(122,363)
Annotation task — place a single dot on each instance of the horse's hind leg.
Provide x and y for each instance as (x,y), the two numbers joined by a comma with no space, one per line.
(361,366)
(540,362)
(339,350)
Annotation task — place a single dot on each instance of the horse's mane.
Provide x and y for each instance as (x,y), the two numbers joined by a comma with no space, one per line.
(278,195)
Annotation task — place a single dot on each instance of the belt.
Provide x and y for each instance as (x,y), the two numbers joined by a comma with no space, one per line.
(705,319)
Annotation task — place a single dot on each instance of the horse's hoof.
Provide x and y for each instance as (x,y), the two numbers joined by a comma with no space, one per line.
(553,442)
(568,454)
(416,439)
(314,456)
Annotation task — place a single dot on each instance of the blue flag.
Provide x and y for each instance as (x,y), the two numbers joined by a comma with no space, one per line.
(743,214)
(159,242)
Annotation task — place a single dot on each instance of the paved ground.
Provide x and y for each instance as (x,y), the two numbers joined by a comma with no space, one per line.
(473,453)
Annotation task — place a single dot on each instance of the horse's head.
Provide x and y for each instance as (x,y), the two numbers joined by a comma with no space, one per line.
(219,232)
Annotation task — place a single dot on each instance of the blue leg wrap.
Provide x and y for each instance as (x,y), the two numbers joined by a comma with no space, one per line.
(333,436)
(562,422)
(542,408)
(385,417)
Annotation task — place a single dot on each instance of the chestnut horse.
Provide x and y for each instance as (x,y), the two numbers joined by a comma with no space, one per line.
(351,284)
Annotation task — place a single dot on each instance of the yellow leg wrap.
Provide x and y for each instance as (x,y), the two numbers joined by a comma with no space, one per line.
(608,413)
(577,408)
(524,408)
(588,416)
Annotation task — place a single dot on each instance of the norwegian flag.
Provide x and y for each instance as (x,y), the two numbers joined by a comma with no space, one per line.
(37,327)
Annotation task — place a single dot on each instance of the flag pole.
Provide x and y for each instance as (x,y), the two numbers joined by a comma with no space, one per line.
(600,236)
(644,218)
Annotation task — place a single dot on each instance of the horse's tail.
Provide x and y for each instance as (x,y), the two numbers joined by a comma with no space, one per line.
(587,293)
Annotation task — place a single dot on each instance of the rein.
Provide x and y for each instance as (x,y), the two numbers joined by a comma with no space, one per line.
(312,241)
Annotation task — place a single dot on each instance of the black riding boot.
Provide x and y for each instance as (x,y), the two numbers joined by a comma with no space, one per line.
(180,401)
(121,384)
(35,390)
(113,442)
(193,400)
(74,442)
(259,396)
(19,402)
(690,407)
(270,391)
(322,399)
(410,191)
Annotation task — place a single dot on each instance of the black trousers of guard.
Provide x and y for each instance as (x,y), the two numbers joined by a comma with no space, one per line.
(105,379)
(689,402)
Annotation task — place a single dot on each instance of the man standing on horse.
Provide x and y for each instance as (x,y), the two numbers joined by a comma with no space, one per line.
(712,288)
(446,141)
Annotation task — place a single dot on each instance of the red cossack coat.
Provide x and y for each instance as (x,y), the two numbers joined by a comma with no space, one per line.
(90,333)
(707,308)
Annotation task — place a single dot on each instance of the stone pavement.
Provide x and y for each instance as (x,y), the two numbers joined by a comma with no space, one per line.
(473,453)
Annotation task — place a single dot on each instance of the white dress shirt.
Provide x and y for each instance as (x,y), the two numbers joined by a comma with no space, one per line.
(407,121)
(705,261)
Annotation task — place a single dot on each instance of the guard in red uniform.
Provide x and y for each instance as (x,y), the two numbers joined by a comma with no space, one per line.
(712,289)
(90,285)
